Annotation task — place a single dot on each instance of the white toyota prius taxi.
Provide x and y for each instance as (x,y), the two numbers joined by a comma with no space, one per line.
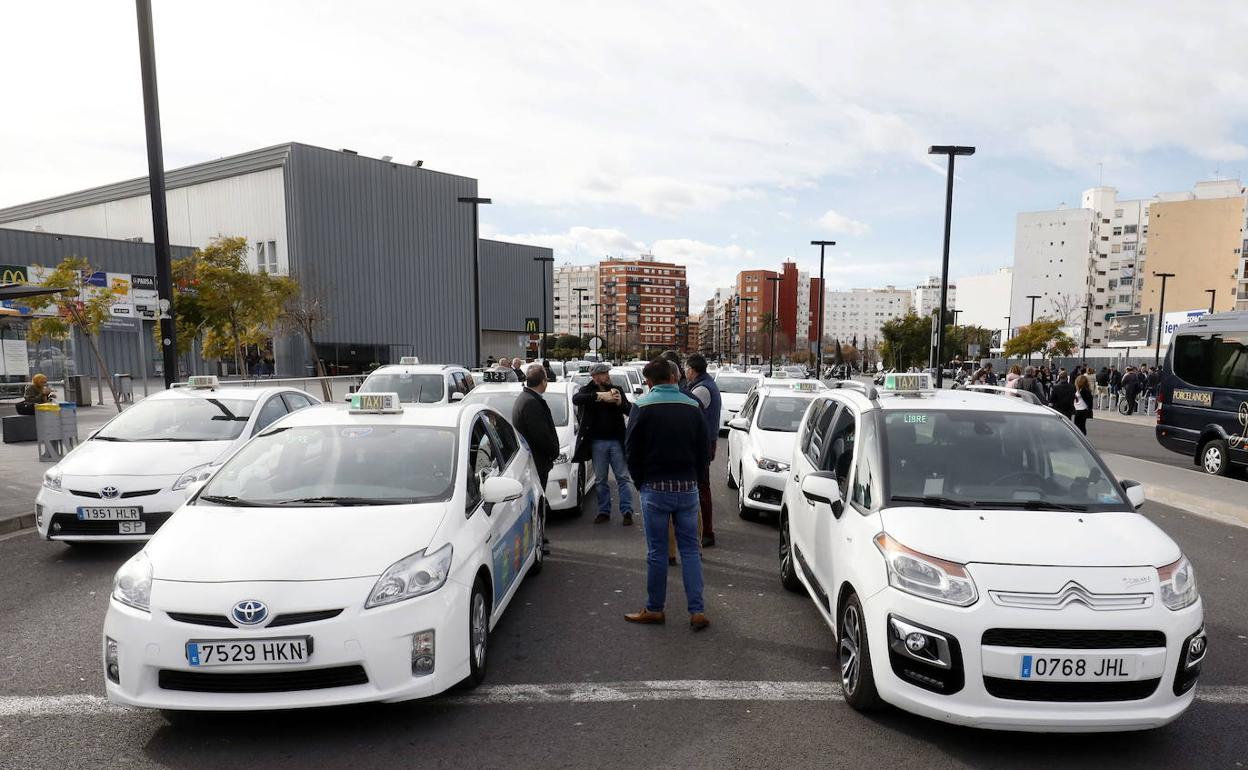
(760,443)
(351,553)
(980,564)
(128,477)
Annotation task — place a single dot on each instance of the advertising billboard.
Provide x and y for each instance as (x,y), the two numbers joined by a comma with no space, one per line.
(1128,331)
(1173,321)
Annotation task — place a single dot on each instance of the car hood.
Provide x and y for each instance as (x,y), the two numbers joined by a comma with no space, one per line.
(774,444)
(218,544)
(140,458)
(1055,538)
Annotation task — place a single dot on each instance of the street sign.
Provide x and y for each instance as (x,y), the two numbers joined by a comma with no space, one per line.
(531,325)
(596,343)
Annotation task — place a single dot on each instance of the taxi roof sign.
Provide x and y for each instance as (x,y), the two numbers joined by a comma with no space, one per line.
(375,403)
(409,360)
(202,381)
(908,383)
(805,386)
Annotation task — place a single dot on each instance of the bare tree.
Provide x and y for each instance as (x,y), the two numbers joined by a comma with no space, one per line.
(1067,308)
(304,313)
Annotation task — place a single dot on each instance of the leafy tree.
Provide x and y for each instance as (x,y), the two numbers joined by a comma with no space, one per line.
(217,296)
(838,353)
(958,339)
(906,341)
(1045,336)
(76,307)
(765,323)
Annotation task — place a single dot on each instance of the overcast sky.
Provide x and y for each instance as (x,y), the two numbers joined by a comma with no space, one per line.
(723,134)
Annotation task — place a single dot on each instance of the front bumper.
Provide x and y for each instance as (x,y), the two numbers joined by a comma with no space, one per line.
(973,705)
(562,486)
(56,512)
(764,490)
(378,641)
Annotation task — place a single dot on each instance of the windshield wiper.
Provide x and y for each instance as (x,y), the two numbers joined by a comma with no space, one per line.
(1031,505)
(172,438)
(934,501)
(226,411)
(229,500)
(111,438)
(334,500)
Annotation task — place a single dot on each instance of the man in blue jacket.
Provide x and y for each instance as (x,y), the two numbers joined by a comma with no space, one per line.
(704,390)
(666,447)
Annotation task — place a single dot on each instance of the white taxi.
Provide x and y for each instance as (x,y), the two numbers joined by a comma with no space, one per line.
(760,444)
(128,477)
(979,564)
(734,387)
(418,383)
(568,481)
(350,554)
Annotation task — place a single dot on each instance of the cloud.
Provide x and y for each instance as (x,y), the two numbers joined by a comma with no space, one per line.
(839,224)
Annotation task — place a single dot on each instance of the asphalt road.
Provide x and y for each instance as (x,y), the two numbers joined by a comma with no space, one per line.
(564,634)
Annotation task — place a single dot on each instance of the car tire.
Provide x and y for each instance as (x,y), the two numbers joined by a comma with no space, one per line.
(788,566)
(580,489)
(854,658)
(1214,457)
(539,535)
(743,510)
(478,632)
(732,482)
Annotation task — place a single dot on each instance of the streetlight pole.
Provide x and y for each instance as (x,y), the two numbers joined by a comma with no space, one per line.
(952,151)
(596,305)
(819,334)
(745,335)
(580,327)
(541,348)
(156,183)
(775,317)
(1007,333)
(1083,343)
(476,272)
(1033,298)
(1213,295)
(1161,314)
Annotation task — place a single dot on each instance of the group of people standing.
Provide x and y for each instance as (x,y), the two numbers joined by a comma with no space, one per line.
(1068,392)
(662,445)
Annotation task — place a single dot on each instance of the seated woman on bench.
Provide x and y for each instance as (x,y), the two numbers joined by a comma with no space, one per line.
(37,392)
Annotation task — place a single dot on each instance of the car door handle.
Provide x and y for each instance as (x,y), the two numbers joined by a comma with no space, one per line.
(489,537)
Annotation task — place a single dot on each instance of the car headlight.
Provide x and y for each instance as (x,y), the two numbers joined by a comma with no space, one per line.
(767,464)
(411,576)
(52,479)
(565,455)
(132,585)
(926,576)
(1178,584)
(198,473)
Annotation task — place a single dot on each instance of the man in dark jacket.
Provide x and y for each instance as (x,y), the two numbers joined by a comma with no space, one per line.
(1031,383)
(603,407)
(1063,397)
(1131,386)
(703,389)
(666,446)
(532,419)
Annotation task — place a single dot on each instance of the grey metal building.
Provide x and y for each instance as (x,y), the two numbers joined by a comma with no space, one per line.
(386,245)
(511,295)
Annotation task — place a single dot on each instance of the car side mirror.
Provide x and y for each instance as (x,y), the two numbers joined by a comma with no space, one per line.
(821,487)
(1135,493)
(638,390)
(739,423)
(500,489)
(457,396)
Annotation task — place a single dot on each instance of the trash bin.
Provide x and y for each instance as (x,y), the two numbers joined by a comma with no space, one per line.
(48,432)
(78,390)
(124,385)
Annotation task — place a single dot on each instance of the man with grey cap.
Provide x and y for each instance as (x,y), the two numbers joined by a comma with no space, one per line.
(601,438)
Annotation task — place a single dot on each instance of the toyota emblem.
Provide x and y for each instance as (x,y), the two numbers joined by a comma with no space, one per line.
(250,612)
(108,493)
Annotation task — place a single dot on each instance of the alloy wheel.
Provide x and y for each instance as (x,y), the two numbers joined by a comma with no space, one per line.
(850,648)
(479,629)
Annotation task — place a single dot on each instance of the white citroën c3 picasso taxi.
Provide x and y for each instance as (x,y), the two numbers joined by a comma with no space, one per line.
(347,554)
(979,564)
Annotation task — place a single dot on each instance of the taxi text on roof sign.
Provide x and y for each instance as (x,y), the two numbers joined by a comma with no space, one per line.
(805,386)
(375,403)
(208,381)
(907,383)
(409,360)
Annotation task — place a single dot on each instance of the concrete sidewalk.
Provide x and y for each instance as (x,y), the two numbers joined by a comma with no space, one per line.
(1213,497)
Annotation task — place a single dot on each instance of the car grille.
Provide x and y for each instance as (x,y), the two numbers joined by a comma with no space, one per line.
(294,618)
(218,621)
(1072,593)
(286,619)
(70,524)
(1072,639)
(265,681)
(1069,692)
(122,496)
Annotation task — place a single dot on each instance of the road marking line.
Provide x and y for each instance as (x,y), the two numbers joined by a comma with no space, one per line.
(577,692)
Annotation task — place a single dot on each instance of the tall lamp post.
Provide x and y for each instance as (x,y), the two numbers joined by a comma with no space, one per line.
(476,272)
(1161,315)
(775,319)
(819,334)
(1007,333)
(952,151)
(541,348)
(1213,295)
(595,306)
(1083,343)
(745,335)
(580,327)
(1033,298)
(156,183)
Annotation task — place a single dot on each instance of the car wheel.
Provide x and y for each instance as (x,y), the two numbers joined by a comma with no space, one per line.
(854,658)
(732,482)
(743,510)
(1213,458)
(539,538)
(580,489)
(478,632)
(788,568)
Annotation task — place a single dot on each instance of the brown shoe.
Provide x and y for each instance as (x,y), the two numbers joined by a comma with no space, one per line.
(648,617)
(699,621)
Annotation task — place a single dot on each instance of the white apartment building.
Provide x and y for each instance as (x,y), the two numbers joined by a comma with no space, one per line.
(926,297)
(804,317)
(859,313)
(567,279)
(984,300)
(1051,253)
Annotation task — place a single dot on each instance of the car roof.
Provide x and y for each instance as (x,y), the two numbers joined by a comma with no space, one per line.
(776,389)
(435,416)
(235,392)
(415,368)
(953,400)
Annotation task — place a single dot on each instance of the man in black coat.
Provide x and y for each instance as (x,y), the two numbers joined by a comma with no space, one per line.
(603,407)
(1131,386)
(1063,397)
(532,419)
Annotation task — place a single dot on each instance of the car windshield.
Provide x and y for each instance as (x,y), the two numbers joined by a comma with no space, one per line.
(338,465)
(782,413)
(967,458)
(503,401)
(735,384)
(412,388)
(180,419)
(620,380)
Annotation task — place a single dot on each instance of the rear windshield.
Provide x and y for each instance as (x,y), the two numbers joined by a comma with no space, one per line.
(180,419)
(735,384)
(412,388)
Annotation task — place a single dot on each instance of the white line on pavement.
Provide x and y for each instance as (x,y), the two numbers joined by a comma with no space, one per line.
(578,692)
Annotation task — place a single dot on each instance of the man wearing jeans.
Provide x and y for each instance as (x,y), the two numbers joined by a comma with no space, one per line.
(603,407)
(666,446)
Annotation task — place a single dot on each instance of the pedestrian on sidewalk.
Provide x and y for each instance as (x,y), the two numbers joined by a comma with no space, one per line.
(1030,383)
(1115,385)
(532,419)
(1083,403)
(703,389)
(1131,386)
(1102,387)
(1013,376)
(1063,397)
(666,446)
(601,438)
